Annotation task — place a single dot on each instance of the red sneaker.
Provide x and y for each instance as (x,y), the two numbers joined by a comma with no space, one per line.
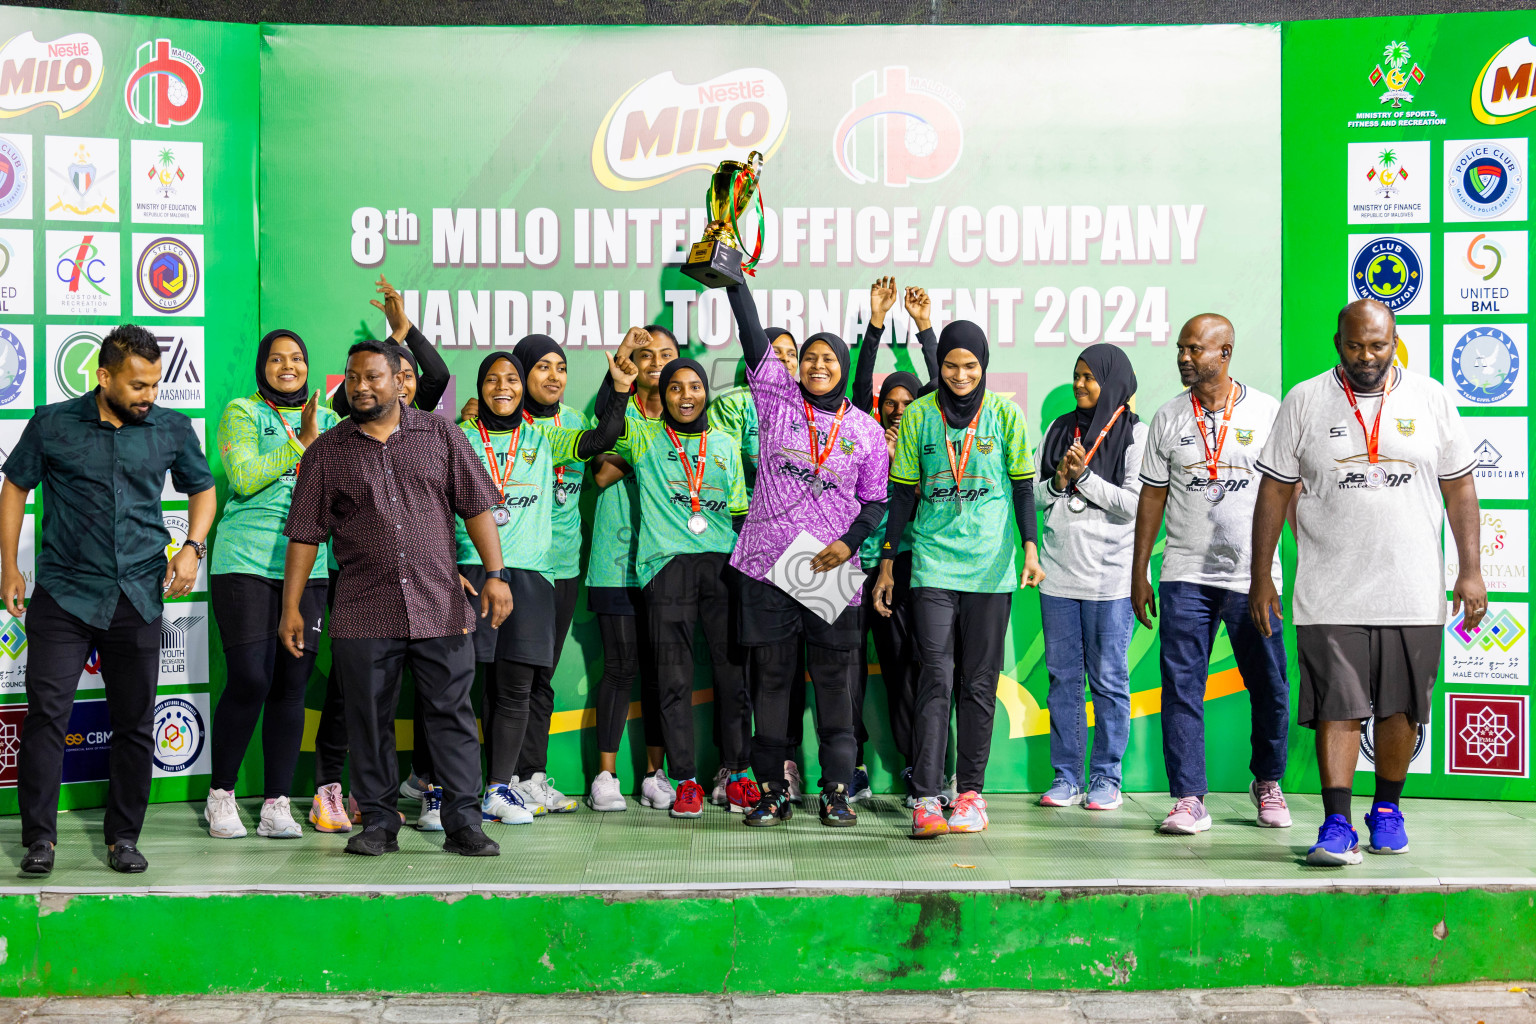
(689,802)
(928,819)
(741,796)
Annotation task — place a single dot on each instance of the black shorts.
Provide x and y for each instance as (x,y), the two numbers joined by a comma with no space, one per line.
(767,616)
(249,608)
(528,635)
(1351,673)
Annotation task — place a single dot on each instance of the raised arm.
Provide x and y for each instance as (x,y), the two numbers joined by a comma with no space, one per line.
(433,377)
(610,421)
(754,342)
(882,296)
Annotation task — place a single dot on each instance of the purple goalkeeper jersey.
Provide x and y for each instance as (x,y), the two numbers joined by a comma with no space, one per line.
(791,495)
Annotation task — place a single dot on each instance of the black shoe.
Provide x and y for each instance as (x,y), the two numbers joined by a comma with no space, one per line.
(835,810)
(38,859)
(125,857)
(471,842)
(773,808)
(373,841)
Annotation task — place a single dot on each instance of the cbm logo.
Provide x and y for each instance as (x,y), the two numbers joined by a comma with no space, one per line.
(901,129)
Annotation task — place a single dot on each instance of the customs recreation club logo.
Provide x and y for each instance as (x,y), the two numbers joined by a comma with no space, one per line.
(1504,89)
(13,367)
(74,363)
(900,129)
(166,86)
(662,128)
(168,275)
(1485,365)
(14,177)
(179,734)
(1485,179)
(1389,271)
(1397,74)
(64,73)
(81,269)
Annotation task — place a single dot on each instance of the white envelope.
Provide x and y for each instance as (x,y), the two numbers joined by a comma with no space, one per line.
(827,594)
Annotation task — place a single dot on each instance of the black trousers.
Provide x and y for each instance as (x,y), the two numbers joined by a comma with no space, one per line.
(130,670)
(626,653)
(953,628)
(264,681)
(896,650)
(691,590)
(541,699)
(444,669)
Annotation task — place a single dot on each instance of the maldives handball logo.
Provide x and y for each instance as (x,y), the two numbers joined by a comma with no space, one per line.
(168,275)
(179,735)
(64,73)
(166,86)
(901,129)
(1389,271)
(661,127)
(1485,365)
(1504,89)
(1485,179)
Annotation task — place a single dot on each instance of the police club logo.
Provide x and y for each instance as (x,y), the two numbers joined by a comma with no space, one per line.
(1485,365)
(1485,179)
(14,176)
(179,735)
(168,275)
(1389,271)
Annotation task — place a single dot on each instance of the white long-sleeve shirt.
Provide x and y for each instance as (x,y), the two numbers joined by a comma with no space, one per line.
(1087,555)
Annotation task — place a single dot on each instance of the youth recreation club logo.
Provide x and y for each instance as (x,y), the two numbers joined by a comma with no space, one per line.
(1485,179)
(901,129)
(1506,87)
(1389,271)
(662,128)
(64,73)
(165,88)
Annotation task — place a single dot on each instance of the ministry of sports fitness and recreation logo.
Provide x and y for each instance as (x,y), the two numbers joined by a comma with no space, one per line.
(64,73)
(1485,179)
(179,734)
(661,127)
(13,367)
(1397,74)
(14,177)
(165,88)
(1389,271)
(901,129)
(168,275)
(1485,365)
(1387,174)
(74,363)
(1505,89)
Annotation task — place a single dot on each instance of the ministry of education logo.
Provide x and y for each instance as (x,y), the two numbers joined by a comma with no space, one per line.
(1389,271)
(1485,365)
(1485,179)
(179,734)
(1397,75)
(168,275)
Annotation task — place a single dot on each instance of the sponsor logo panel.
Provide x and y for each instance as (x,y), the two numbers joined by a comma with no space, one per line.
(1485,180)
(167,181)
(63,73)
(900,130)
(16,367)
(73,351)
(1505,90)
(168,275)
(181,735)
(1487,735)
(165,87)
(1389,183)
(1501,447)
(181,368)
(1421,762)
(1392,269)
(17,296)
(1486,272)
(1504,545)
(176,524)
(16,174)
(1485,364)
(1495,652)
(13,629)
(82,181)
(83,273)
(1396,73)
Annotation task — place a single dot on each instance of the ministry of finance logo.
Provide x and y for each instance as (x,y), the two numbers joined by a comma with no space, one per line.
(179,734)
(900,129)
(1485,365)
(1389,271)
(1485,179)
(167,275)
(166,87)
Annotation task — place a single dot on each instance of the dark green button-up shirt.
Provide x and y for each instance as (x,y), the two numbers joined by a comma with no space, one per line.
(103,529)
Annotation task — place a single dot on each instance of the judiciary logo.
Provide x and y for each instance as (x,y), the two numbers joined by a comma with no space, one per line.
(1487,455)
(1387,176)
(167,275)
(1397,74)
(14,177)
(1485,179)
(166,87)
(179,734)
(1485,365)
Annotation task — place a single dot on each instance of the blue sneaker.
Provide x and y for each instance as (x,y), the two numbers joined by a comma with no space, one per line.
(1103,795)
(431,817)
(1387,833)
(860,791)
(1063,793)
(1337,844)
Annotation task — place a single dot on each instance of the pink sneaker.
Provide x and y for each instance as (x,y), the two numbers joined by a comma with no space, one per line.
(969,813)
(1187,818)
(1266,796)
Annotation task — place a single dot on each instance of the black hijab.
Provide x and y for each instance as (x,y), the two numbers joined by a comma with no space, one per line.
(959,410)
(898,379)
(1111,367)
(699,425)
(528,352)
(487,417)
(832,400)
(281,399)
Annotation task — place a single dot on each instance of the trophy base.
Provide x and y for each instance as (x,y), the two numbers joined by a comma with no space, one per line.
(714,264)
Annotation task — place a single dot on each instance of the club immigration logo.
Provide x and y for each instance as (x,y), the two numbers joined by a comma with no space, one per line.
(179,734)
(166,86)
(900,129)
(662,128)
(1396,57)
(168,275)
(14,176)
(65,73)
(13,366)
(75,361)
(1485,365)
(1485,179)
(1389,271)
(1503,90)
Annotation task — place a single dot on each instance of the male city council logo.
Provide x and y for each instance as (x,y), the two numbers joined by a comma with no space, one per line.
(1485,365)
(1396,57)
(165,88)
(13,366)
(661,127)
(1502,631)
(74,363)
(900,129)
(1504,89)
(13,176)
(168,275)
(1485,179)
(64,73)
(179,734)
(1389,271)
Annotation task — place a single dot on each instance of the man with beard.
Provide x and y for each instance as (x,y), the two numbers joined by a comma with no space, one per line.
(1369,605)
(102,577)
(385,486)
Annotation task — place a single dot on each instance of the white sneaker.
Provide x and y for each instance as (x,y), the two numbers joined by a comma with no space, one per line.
(538,786)
(277,821)
(431,817)
(794,782)
(718,796)
(503,804)
(525,793)
(223,816)
(951,792)
(605,794)
(413,787)
(656,791)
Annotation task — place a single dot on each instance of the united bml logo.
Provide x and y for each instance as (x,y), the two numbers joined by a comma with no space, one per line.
(901,129)
(166,88)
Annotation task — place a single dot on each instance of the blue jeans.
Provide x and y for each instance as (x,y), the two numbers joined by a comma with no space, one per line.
(1088,638)
(1189,614)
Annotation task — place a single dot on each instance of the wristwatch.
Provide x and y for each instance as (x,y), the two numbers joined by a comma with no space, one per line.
(504,574)
(201,547)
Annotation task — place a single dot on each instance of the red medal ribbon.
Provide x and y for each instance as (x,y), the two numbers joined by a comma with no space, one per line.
(560,469)
(958,469)
(1213,458)
(695,478)
(495,467)
(1077,435)
(291,435)
(1372,436)
(819,458)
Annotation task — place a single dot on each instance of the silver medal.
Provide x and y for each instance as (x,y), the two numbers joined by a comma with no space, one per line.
(697,523)
(1215,491)
(559,495)
(500,516)
(1375,477)
(1075,502)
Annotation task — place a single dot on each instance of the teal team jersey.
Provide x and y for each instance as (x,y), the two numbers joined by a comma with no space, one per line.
(527,536)
(566,518)
(665,505)
(735,413)
(616,526)
(262,464)
(963,537)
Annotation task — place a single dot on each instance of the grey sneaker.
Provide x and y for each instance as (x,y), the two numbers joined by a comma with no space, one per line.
(656,791)
(717,794)
(950,792)
(1266,796)
(1188,817)
(605,794)
(1063,793)
(277,820)
(794,782)
(1104,795)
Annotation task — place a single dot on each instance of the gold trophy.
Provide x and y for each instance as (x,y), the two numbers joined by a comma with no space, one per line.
(716,259)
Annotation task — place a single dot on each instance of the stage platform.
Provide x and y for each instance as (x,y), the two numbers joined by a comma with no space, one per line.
(639,901)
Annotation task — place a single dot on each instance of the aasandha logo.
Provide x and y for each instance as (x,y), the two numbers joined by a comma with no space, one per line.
(662,127)
(1505,89)
(901,129)
(65,73)
(166,87)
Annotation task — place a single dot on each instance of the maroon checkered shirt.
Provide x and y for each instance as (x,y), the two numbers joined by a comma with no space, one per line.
(388,508)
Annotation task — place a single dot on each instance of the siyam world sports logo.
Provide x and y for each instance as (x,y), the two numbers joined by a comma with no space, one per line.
(166,87)
(900,130)
(662,128)
(65,73)
(1505,89)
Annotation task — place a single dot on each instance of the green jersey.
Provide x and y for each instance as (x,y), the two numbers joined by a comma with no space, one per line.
(528,480)
(616,526)
(665,503)
(735,413)
(567,514)
(262,462)
(963,536)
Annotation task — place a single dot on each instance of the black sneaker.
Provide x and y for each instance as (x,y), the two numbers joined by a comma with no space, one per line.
(471,842)
(125,857)
(774,808)
(38,859)
(835,811)
(373,841)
